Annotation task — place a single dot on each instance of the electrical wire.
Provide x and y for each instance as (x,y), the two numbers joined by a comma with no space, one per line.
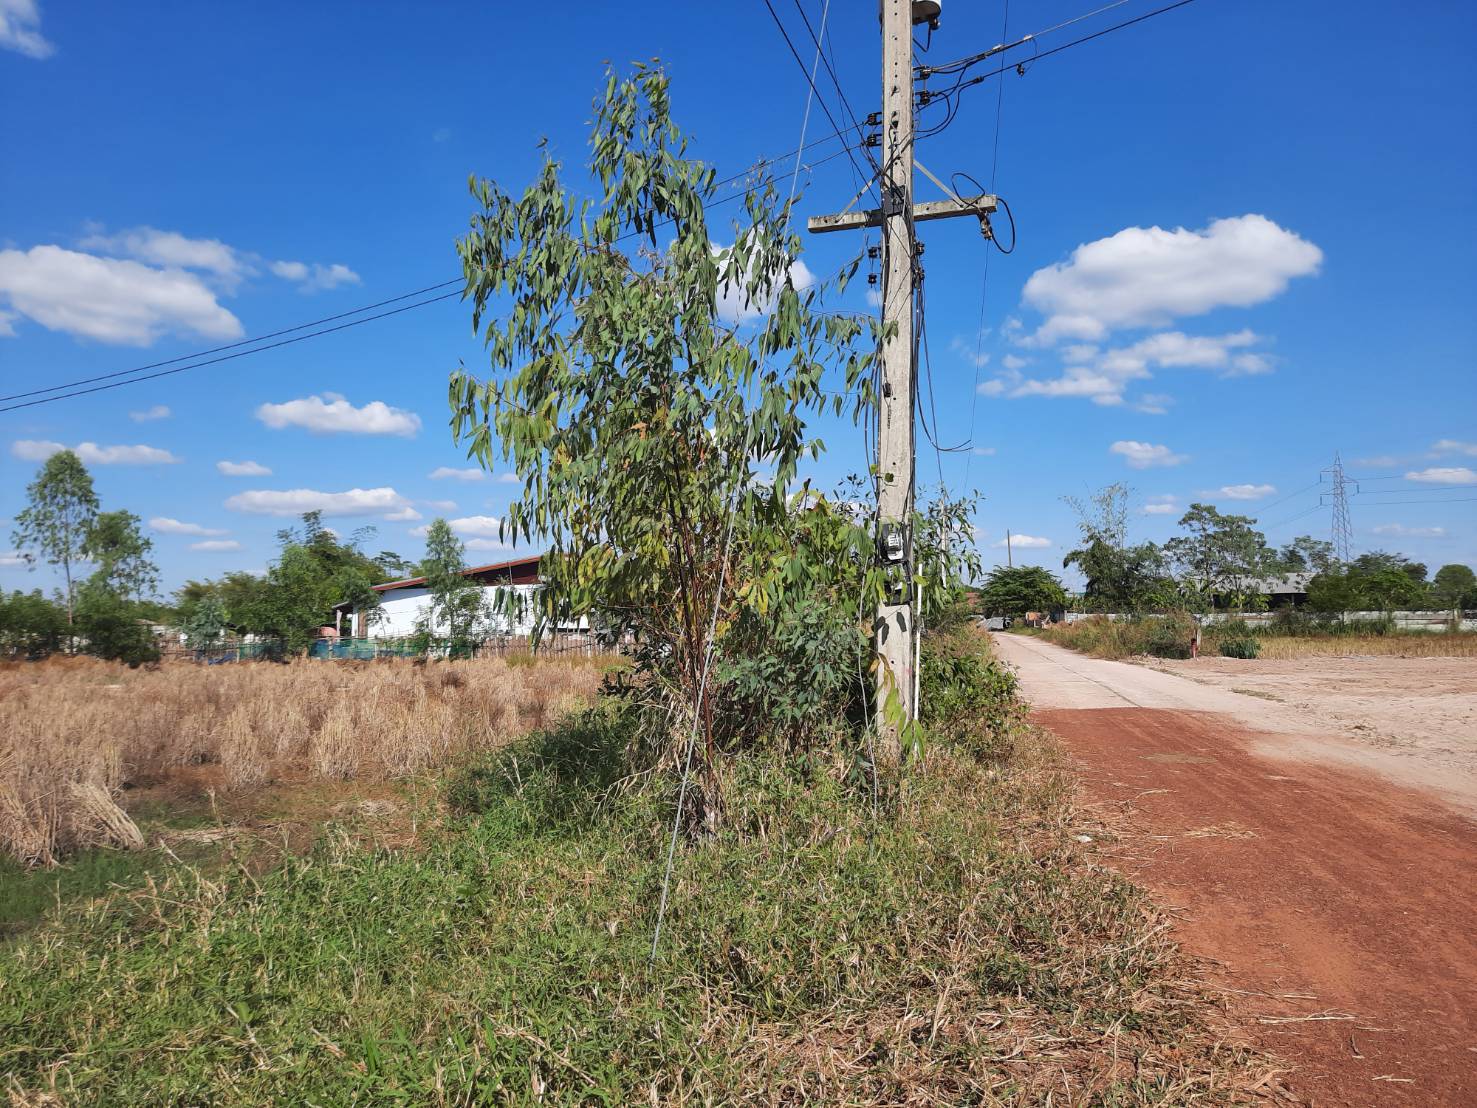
(962,64)
(952,95)
(785,34)
(227,357)
(805,116)
(979,338)
(200,358)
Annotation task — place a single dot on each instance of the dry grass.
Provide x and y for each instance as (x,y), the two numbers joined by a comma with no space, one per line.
(74,733)
(1458,644)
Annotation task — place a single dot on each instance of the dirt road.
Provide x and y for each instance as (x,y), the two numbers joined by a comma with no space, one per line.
(1334,897)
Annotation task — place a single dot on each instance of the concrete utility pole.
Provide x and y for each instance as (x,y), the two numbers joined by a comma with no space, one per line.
(894,623)
(1009,561)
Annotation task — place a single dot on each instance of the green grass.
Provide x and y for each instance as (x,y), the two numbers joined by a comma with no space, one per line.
(27,894)
(959,951)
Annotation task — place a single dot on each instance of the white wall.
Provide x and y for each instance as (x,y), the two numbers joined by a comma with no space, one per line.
(402,609)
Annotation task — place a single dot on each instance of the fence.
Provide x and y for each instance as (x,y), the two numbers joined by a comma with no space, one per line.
(1400,621)
(555,643)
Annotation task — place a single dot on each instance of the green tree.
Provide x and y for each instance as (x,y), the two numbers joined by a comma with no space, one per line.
(1119,577)
(1390,589)
(1306,554)
(1376,560)
(655,430)
(112,627)
(456,609)
(31,625)
(116,544)
(1221,556)
(206,623)
(1455,586)
(61,507)
(1015,591)
(313,572)
(1334,592)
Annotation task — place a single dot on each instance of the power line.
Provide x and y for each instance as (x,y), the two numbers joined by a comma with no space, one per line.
(774,15)
(227,357)
(233,345)
(1392,503)
(979,340)
(72,389)
(950,96)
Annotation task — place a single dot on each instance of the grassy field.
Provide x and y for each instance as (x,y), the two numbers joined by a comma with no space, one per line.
(497,949)
(76,734)
(1169,636)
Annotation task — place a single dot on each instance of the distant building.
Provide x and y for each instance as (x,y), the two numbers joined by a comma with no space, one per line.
(404,604)
(1290,590)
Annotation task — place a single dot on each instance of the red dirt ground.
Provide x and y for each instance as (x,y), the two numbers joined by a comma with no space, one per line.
(1316,891)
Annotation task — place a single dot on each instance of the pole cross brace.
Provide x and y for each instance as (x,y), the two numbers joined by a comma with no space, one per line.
(977,206)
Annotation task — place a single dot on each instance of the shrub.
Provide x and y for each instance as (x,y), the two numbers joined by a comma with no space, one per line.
(1241,646)
(1169,636)
(795,677)
(966,695)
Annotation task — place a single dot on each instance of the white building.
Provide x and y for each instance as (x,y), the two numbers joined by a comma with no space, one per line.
(403,604)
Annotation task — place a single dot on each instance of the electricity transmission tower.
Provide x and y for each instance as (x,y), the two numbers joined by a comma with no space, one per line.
(1343,530)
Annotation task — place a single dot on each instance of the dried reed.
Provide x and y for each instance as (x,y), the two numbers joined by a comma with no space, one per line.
(75,732)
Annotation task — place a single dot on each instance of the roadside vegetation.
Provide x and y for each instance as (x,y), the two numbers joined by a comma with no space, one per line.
(1168,636)
(960,947)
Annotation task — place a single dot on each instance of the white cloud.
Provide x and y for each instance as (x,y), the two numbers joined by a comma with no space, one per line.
(1452,446)
(167,526)
(1100,388)
(90,453)
(508,478)
(874,298)
(1146,277)
(439,505)
(983,451)
(158,411)
(172,250)
(1142,455)
(477,532)
(734,308)
(243,469)
(1153,403)
(969,351)
(450,473)
(109,299)
(1401,531)
(1381,460)
(1015,361)
(1444,475)
(1102,375)
(315,277)
(20,29)
(216,544)
(10,559)
(1163,505)
(1025,542)
(385,502)
(332,414)
(1247,492)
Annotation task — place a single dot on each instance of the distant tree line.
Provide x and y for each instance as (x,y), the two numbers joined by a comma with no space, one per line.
(114,610)
(1217,561)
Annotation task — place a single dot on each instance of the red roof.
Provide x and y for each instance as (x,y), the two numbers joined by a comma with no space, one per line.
(473,571)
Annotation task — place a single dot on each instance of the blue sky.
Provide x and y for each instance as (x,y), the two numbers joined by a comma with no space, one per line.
(1246,233)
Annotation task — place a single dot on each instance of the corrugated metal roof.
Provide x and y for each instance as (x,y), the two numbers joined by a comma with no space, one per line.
(471,571)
